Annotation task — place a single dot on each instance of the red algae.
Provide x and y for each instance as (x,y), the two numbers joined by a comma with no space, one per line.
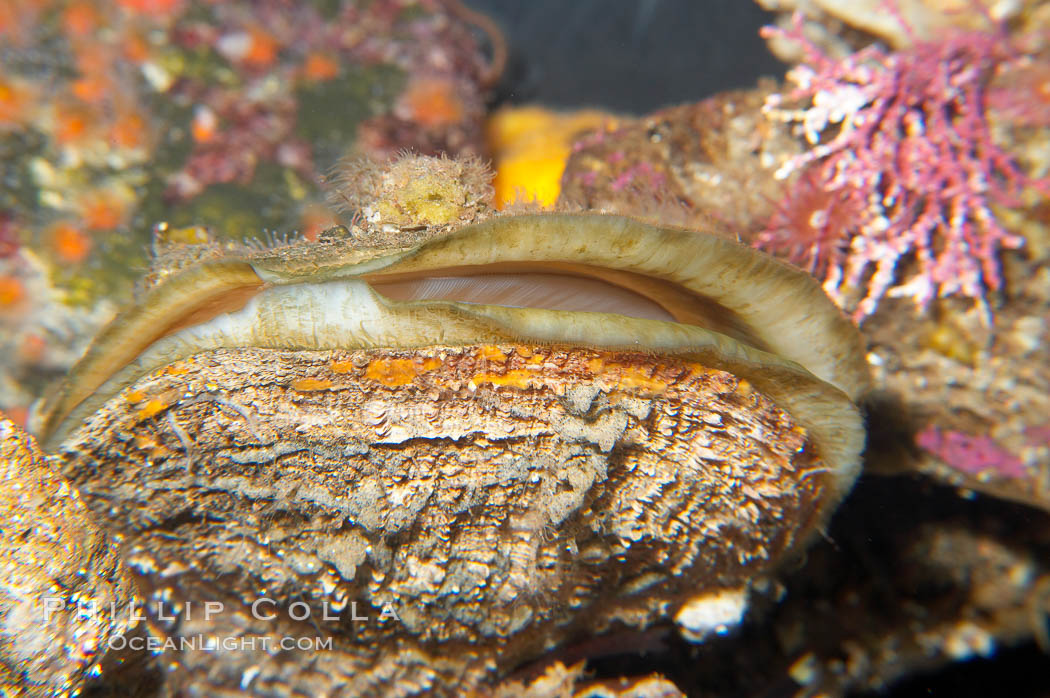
(9,240)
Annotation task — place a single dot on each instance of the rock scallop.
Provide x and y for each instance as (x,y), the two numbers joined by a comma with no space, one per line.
(452,457)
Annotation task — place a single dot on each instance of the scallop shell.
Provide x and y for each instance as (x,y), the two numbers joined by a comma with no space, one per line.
(280,425)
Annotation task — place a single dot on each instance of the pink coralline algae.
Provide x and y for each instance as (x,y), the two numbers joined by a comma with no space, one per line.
(901,143)
(970,454)
(641,174)
(1038,435)
(9,242)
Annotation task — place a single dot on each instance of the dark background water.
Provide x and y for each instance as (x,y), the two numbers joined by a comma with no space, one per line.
(628,55)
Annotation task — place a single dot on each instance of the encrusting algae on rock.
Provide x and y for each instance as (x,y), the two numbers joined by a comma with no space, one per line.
(458,441)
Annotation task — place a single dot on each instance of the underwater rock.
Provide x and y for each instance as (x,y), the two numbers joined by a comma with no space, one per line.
(945,369)
(954,399)
(836,26)
(695,165)
(64,592)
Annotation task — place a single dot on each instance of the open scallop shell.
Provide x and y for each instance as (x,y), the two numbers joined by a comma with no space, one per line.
(561,395)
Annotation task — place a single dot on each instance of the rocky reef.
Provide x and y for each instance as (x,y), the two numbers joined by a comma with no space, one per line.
(741,397)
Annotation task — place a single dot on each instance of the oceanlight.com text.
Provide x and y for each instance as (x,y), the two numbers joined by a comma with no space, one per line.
(213,643)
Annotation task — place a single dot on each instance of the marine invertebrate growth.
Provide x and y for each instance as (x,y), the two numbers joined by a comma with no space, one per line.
(530,146)
(903,139)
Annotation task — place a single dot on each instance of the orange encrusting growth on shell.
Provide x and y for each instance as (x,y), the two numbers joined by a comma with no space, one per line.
(153,408)
(636,378)
(149,444)
(341,366)
(518,367)
(502,366)
(492,353)
(134,396)
(392,372)
(307,385)
(517,378)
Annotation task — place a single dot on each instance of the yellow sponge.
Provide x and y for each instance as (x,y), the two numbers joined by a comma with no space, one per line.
(530,146)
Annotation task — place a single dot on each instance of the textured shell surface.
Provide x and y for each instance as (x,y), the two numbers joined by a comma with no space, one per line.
(507,469)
